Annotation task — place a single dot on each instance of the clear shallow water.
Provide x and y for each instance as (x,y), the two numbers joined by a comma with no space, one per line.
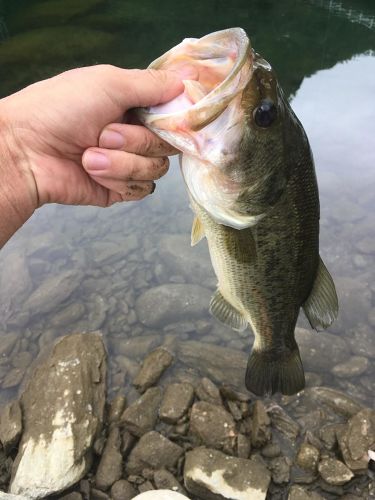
(85,267)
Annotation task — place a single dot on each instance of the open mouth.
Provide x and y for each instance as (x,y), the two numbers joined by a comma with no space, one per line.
(219,59)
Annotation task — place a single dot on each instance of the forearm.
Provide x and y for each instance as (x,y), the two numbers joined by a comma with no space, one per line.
(16,193)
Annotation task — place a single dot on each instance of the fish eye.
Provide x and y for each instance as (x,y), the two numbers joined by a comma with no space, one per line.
(265,114)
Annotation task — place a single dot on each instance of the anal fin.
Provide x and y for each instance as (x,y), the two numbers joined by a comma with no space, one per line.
(275,371)
(321,307)
(226,313)
(197,231)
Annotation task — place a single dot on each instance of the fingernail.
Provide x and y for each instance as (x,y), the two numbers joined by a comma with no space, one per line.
(187,72)
(111,139)
(93,160)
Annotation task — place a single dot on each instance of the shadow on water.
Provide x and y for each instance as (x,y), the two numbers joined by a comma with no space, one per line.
(76,269)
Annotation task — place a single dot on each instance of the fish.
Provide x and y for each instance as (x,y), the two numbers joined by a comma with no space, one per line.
(249,172)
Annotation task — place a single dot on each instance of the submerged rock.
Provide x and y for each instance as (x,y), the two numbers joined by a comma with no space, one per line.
(110,465)
(152,368)
(213,425)
(176,402)
(337,401)
(212,475)
(10,425)
(141,416)
(334,472)
(63,406)
(165,304)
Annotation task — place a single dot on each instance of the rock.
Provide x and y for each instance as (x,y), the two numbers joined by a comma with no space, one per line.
(176,401)
(164,480)
(334,472)
(123,490)
(283,422)
(10,425)
(22,359)
(308,457)
(357,438)
(300,493)
(153,451)
(15,281)
(68,315)
(180,258)
(136,347)
(207,391)
(361,341)
(160,495)
(61,421)
(280,469)
(354,300)
(243,446)
(141,416)
(213,425)
(212,475)
(320,351)
(164,304)
(13,378)
(153,366)
(271,450)
(8,341)
(261,432)
(337,401)
(328,434)
(110,466)
(72,496)
(98,495)
(116,409)
(353,367)
(216,362)
(52,292)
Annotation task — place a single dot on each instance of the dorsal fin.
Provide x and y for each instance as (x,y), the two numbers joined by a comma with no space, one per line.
(321,307)
(197,231)
(226,313)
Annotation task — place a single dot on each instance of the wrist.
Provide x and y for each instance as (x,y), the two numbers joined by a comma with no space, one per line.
(18,198)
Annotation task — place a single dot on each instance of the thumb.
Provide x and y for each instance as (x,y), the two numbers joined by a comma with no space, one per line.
(149,87)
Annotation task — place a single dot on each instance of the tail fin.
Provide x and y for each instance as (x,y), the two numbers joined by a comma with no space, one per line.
(269,372)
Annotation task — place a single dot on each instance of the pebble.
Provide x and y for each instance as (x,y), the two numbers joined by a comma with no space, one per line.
(213,425)
(300,493)
(13,378)
(334,472)
(328,434)
(261,432)
(116,408)
(271,450)
(280,469)
(337,401)
(308,457)
(123,490)
(10,425)
(22,360)
(208,391)
(110,466)
(153,366)
(141,416)
(176,401)
(353,367)
(165,480)
(8,341)
(153,451)
(361,340)
(243,446)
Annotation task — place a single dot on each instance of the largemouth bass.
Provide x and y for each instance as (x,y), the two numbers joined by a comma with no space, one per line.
(249,171)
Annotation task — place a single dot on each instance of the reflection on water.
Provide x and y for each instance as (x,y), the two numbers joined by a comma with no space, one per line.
(83,268)
(354,15)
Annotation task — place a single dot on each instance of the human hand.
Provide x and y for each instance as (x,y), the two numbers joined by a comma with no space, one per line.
(67,143)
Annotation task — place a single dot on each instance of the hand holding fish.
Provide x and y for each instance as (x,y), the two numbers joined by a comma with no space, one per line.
(63,140)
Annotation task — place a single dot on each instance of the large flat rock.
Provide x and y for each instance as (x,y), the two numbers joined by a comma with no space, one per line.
(62,407)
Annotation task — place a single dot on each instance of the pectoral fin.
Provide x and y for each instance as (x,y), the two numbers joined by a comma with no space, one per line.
(226,313)
(321,307)
(197,231)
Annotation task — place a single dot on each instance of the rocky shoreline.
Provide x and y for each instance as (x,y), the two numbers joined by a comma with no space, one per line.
(201,439)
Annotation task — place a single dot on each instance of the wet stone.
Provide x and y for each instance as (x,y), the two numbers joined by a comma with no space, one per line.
(357,438)
(153,451)
(165,480)
(110,466)
(261,432)
(22,360)
(328,435)
(334,472)
(280,469)
(71,313)
(283,422)
(243,446)
(153,366)
(164,304)
(300,493)
(361,341)
(208,391)
(308,457)
(210,474)
(141,416)
(7,342)
(13,378)
(123,490)
(213,425)
(72,496)
(176,401)
(96,494)
(10,425)
(271,450)
(134,347)
(337,401)
(116,409)
(353,367)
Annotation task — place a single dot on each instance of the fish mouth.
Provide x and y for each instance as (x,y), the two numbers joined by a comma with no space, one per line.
(224,63)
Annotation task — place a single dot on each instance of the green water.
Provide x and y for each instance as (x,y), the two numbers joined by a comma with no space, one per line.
(323,52)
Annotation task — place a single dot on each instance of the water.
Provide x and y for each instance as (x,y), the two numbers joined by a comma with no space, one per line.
(89,265)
